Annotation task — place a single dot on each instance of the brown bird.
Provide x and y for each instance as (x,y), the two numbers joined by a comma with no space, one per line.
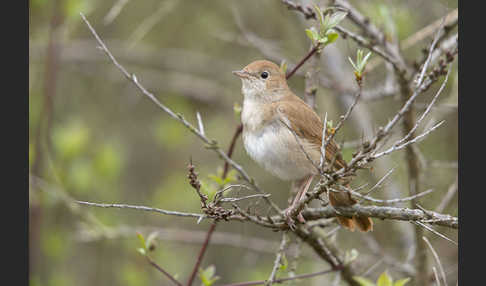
(273,116)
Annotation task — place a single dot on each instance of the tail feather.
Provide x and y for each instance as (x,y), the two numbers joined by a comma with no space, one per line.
(346,222)
(362,223)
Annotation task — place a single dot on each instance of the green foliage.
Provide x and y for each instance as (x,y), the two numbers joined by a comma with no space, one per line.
(71,139)
(207,275)
(80,175)
(326,34)
(108,162)
(144,249)
(383,280)
(360,64)
(216,182)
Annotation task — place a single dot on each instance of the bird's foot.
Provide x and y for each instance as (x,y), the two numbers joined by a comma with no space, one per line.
(290,221)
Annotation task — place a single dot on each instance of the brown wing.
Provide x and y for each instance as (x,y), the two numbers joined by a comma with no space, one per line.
(307,124)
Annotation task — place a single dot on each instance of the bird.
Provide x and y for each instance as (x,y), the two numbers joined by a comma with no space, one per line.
(283,134)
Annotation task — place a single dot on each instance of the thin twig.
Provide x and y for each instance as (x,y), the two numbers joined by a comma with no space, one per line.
(437,260)
(141,208)
(160,269)
(392,201)
(278,259)
(201,254)
(302,61)
(434,231)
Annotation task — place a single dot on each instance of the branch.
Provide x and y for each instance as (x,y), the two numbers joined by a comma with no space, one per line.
(201,254)
(382,212)
(212,144)
(277,262)
(160,269)
(142,208)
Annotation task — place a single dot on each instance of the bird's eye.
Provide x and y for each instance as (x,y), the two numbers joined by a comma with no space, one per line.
(264,75)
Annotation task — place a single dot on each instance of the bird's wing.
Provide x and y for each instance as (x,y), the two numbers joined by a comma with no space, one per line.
(297,115)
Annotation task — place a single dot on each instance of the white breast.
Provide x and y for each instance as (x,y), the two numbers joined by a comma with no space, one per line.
(273,146)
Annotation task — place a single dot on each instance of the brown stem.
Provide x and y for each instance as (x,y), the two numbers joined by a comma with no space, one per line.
(156,266)
(238,131)
(311,52)
(201,254)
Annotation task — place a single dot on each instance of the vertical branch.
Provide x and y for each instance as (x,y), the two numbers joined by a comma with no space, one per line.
(237,133)
(277,261)
(43,128)
(201,253)
(413,166)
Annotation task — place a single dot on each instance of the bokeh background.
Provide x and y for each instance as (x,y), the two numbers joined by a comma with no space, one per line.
(94,137)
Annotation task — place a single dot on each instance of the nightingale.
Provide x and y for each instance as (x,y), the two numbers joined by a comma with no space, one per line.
(278,127)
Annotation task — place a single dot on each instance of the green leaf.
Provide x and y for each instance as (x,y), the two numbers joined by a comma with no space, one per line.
(284,263)
(207,275)
(312,34)
(217,179)
(363,281)
(336,18)
(332,37)
(142,251)
(365,60)
(352,63)
(323,40)
(401,282)
(319,13)
(384,280)
(142,240)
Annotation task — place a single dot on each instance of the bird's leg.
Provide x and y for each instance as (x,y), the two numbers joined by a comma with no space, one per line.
(303,187)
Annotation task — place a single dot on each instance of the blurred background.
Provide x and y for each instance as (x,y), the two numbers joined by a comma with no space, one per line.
(94,137)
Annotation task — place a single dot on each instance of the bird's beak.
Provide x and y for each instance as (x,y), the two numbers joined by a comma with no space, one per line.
(241,74)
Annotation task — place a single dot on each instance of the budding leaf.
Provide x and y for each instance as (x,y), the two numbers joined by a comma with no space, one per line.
(142,240)
(207,275)
(336,18)
(363,281)
(142,251)
(332,37)
(384,280)
(401,282)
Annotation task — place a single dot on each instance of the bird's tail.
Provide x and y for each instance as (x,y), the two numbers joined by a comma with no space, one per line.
(342,198)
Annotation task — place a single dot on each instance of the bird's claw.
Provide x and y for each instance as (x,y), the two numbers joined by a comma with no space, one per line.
(290,221)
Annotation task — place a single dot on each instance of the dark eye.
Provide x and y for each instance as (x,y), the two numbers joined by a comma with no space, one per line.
(264,75)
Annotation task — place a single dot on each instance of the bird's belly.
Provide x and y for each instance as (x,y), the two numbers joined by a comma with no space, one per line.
(275,148)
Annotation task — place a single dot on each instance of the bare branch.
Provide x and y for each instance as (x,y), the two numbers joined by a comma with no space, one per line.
(392,201)
(437,260)
(160,269)
(433,231)
(278,259)
(141,208)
